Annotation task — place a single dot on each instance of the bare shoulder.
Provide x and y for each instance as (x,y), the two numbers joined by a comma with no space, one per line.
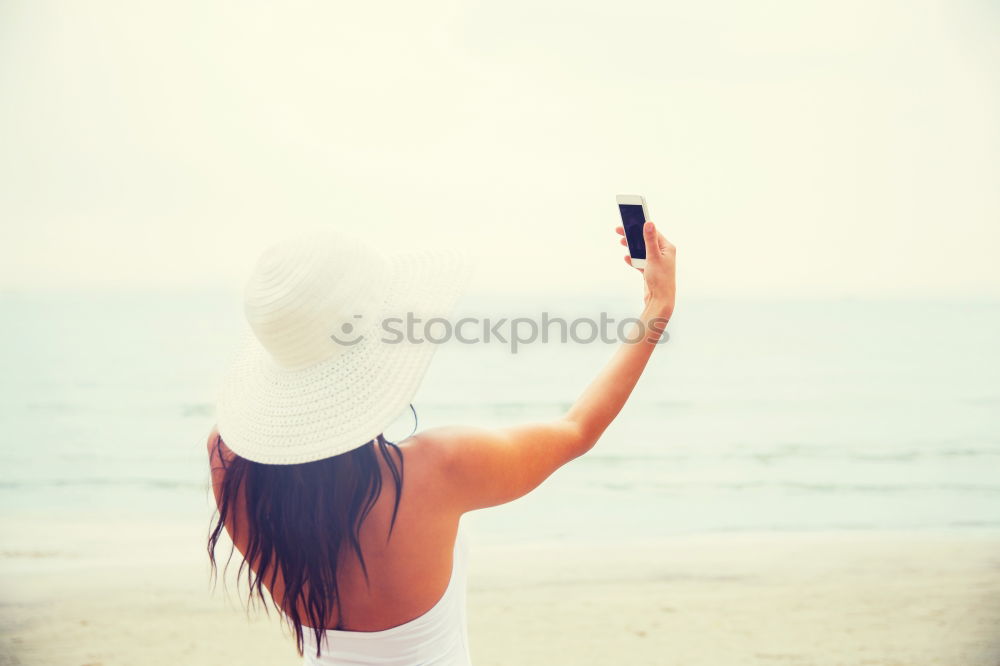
(425,453)
(214,444)
(432,459)
(219,457)
(441,449)
(460,468)
(473,468)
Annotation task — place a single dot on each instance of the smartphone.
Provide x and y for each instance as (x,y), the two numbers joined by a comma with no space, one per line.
(632,208)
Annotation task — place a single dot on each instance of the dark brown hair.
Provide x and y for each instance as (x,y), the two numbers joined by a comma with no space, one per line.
(299,520)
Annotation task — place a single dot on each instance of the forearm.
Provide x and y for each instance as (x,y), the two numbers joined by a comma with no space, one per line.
(485,467)
(604,398)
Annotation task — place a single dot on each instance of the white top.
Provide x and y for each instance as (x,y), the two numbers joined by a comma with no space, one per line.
(439,637)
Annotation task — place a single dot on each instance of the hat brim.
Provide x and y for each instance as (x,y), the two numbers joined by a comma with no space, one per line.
(270,414)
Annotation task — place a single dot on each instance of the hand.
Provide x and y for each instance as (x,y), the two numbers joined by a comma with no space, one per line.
(658,275)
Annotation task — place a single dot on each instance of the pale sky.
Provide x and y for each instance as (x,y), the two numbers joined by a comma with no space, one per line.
(788,148)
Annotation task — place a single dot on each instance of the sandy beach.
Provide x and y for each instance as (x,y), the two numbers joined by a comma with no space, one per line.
(877,598)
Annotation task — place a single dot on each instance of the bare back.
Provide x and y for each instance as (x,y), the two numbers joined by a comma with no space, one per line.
(408,569)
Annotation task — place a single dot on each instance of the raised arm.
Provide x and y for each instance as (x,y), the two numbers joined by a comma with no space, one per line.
(484,467)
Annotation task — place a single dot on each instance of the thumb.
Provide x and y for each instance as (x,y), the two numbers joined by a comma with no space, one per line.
(652,242)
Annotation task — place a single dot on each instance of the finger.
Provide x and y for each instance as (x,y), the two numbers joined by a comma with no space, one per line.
(628,260)
(649,234)
(624,242)
(620,231)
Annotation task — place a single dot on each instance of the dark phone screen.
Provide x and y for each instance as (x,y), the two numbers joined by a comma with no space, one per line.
(632,220)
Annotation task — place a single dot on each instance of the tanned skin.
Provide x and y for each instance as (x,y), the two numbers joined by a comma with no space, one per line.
(450,471)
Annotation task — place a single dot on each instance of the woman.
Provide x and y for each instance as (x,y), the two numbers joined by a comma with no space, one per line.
(357,539)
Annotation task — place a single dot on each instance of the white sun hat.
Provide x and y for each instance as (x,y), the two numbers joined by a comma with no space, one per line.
(321,371)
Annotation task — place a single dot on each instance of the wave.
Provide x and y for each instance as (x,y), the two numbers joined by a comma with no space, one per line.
(838,488)
(805,452)
(109,482)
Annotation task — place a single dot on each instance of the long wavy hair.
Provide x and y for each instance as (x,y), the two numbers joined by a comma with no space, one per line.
(299,520)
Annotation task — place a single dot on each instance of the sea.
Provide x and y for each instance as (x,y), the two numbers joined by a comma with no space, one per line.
(754,416)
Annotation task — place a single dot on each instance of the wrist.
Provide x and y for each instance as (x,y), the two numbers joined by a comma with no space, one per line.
(658,308)
(655,317)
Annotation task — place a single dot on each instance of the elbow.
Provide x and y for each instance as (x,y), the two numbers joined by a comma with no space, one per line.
(581,437)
